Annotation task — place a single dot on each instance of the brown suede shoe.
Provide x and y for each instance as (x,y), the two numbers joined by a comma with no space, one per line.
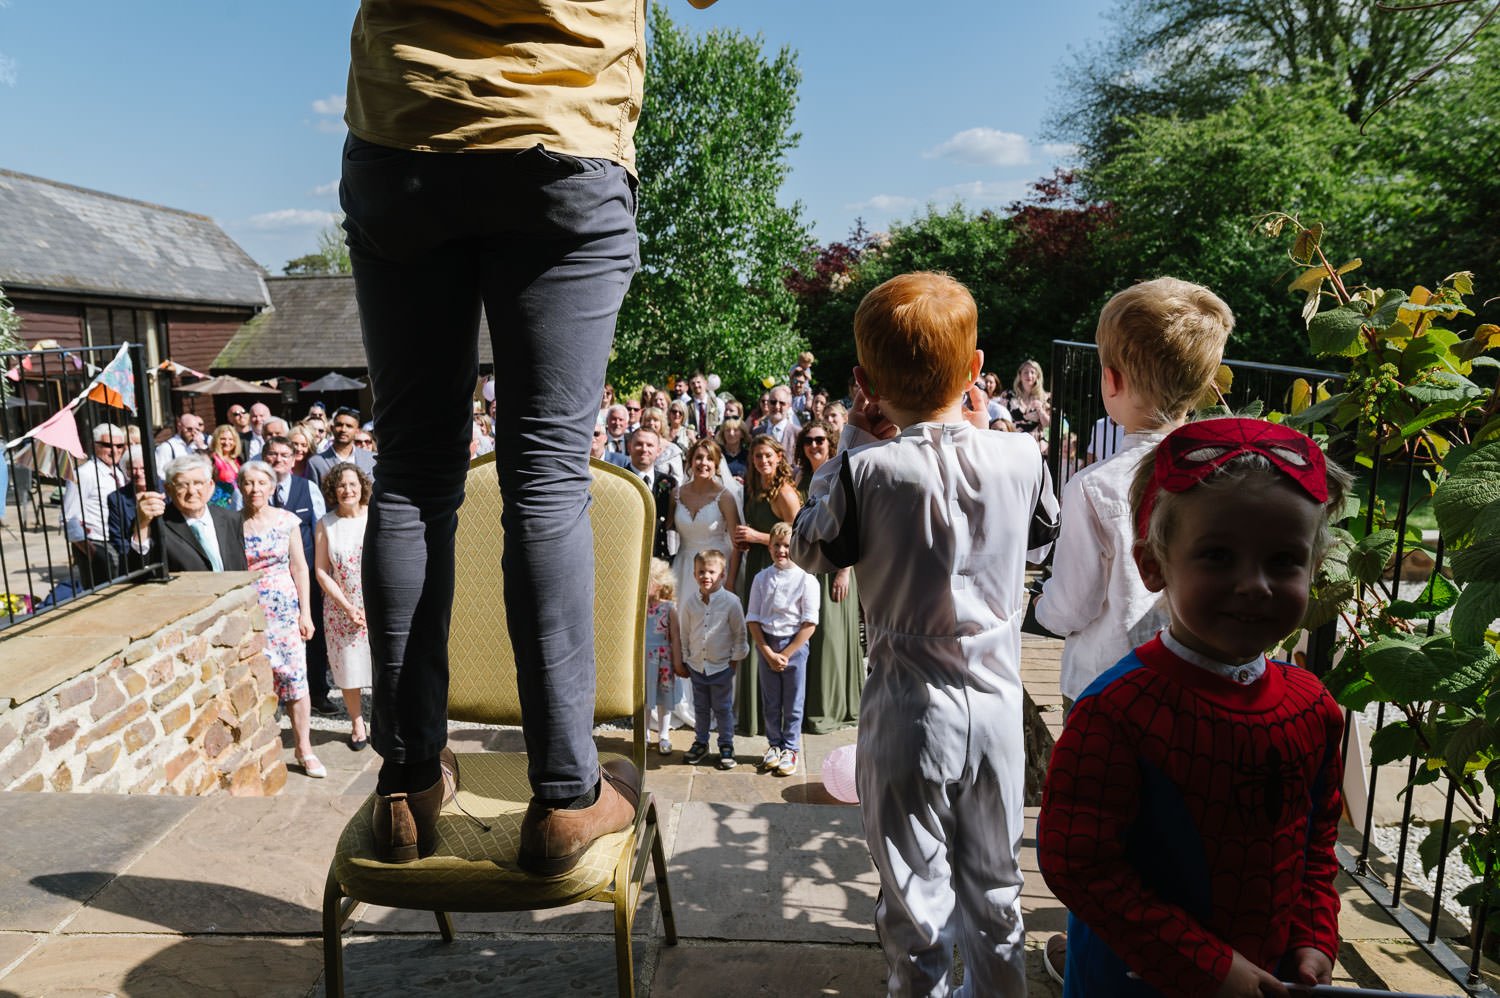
(405,824)
(553,840)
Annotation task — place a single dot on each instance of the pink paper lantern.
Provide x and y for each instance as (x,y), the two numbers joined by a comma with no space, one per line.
(838,774)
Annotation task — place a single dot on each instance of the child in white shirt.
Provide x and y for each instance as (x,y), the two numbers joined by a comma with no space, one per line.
(783,615)
(938,521)
(1160,343)
(713,645)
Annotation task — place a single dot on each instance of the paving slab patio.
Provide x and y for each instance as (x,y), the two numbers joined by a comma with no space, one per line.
(771,881)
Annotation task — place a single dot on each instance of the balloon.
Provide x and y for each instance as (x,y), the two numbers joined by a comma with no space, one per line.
(714,382)
(838,774)
(489,390)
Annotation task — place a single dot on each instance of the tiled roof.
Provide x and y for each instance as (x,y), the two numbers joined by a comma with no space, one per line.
(312,326)
(56,237)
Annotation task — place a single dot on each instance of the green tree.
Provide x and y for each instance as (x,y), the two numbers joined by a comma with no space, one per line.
(712,153)
(1195,57)
(1185,192)
(332,256)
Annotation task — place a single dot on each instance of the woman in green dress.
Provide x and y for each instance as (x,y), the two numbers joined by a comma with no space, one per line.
(770,497)
(835,664)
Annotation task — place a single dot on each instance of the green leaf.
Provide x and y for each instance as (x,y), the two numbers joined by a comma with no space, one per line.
(1466,743)
(1476,609)
(1471,487)
(1317,412)
(1392,742)
(1462,282)
(1307,241)
(1336,332)
(1387,309)
(1439,386)
(1310,280)
(1370,556)
(1438,595)
(1429,849)
(1402,671)
(1480,562)
(1470,896)
(1464,672)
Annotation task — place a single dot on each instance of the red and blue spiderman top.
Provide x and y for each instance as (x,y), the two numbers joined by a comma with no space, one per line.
(1186,817)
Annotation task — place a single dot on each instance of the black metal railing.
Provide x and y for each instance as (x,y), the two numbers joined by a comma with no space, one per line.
(1079,433)
(56,540)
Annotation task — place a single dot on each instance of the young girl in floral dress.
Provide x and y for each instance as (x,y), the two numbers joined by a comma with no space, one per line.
(663,652)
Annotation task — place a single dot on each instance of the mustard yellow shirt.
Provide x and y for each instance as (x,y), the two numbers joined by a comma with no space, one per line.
(457,75)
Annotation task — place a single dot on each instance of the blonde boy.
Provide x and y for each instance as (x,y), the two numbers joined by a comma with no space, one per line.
(938,519)
(1160,343)
(714,643)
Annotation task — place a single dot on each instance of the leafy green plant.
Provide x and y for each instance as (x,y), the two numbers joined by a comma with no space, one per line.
(1413,403)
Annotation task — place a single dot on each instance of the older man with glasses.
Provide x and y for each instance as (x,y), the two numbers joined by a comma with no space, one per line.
(779,423)
(86,506)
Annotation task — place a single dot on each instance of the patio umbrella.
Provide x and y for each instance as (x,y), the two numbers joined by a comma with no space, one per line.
(334,382)
(226,385)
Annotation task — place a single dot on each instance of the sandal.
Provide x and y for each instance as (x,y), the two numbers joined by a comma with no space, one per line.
(311,766)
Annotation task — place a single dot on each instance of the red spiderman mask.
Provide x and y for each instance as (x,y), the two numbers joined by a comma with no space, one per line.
(1193,452)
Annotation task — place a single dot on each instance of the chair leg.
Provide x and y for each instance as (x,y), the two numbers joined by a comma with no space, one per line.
(624,958)
(663,892)
(333,940)
(445,925)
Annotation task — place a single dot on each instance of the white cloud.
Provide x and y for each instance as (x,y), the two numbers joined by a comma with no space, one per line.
(329,105)
(1061,150)
(983,193)
(8,68)
(291,218)
(889,204)
(984,147)
(324,190)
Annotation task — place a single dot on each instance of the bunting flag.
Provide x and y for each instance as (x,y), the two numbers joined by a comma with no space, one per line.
(175,368)
(60,431)
(115,385)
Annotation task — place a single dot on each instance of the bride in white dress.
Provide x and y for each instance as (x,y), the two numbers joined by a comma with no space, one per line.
(704,515)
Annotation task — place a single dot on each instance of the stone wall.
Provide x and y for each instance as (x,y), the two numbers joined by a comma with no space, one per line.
(181,704)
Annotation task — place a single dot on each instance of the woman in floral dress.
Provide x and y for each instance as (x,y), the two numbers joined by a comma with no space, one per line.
(340,552)
(273,547)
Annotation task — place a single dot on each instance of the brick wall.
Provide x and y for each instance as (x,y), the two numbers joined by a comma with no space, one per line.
(188,709)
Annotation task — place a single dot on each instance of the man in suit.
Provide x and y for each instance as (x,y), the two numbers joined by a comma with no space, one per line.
(705,409)
(645,448)
(196,537)
(345,429)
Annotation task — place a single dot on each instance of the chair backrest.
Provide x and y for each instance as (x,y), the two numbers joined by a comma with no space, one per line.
(482,683)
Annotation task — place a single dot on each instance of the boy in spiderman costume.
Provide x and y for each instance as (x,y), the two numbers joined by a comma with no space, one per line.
(1193,798)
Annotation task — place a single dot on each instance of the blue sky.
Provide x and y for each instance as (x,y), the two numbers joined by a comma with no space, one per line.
(233,109)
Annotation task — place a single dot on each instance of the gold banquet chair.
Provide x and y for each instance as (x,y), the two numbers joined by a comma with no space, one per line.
(474,867)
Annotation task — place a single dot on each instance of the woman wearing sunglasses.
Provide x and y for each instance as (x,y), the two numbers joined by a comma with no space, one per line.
(835,665)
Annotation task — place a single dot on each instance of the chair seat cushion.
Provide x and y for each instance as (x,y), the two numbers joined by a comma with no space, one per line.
(474,869)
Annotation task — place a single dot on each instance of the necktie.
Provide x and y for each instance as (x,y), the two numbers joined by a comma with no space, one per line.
(277,499)
(702,419)
(207,544)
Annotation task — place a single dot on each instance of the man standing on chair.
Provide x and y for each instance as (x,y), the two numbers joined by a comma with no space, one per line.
(490,164)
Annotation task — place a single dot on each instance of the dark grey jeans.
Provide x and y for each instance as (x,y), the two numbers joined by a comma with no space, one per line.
(546,244)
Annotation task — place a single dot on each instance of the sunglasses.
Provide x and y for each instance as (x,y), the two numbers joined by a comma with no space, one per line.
(346,410)
(236,412)
(814,440)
